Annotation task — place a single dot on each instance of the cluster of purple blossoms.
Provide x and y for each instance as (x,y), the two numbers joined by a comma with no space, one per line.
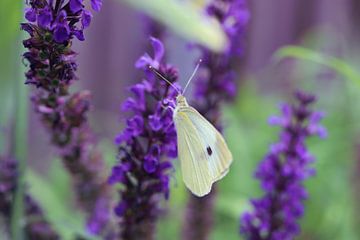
(36,226)
(282,173)
(145,146)
(217,77)
(52,25)
(60,20)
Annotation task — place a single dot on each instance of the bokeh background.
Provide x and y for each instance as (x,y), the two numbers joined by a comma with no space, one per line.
(327,65)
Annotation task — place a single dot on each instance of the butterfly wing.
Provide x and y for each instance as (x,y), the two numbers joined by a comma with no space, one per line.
(203,153)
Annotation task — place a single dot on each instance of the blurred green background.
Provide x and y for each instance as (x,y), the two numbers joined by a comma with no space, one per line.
(323,58)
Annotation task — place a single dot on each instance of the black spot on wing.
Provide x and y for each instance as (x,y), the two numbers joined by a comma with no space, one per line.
(209,150)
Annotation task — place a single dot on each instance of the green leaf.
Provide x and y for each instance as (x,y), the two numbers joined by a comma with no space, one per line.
(66,220)
(59,179)
(108,149)
(13,113)
(10,15)
(185,19)
(10,45)
(337,64)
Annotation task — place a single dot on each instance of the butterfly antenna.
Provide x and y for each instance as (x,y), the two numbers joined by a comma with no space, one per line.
(192,75)
(163,78)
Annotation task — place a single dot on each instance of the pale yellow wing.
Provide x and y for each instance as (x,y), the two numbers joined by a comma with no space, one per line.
(220,158)
(194,167)
(203,153)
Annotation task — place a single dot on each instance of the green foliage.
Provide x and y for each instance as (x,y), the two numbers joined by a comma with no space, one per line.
(13,112)
(330,211)
(330,208)
(54,196)
(185,19)
(108,149)
(337,64)
(10,13)
(248,136)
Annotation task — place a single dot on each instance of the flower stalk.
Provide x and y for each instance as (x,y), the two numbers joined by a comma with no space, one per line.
(19,151)
(145,147)
(52,26)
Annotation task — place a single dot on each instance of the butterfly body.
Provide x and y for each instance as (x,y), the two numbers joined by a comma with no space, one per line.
(202,151)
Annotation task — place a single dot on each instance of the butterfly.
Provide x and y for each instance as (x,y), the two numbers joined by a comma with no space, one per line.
(203,153)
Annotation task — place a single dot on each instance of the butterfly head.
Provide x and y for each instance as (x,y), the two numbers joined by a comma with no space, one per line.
(181,101)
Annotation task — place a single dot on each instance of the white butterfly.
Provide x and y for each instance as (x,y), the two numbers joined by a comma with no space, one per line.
(204,156)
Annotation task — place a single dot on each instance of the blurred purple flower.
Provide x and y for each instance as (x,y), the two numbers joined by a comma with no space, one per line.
(36,226)
(216,82)
(52,68)
(86,18)
(146,60)
(282,173)
(145,145)
(96,5)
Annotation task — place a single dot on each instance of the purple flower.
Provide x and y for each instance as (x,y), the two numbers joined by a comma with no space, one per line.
(61,33)
(62,22)
(216,82)
(86,18)
(155,122)
(96,4)
(144,148)
(282,173)
(44,17)
(146,60)
(99,218)
(76,5)
(30,14)
(135,125)
(79,34)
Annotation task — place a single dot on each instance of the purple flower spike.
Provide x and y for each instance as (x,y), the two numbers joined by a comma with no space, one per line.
(52,26)
(217,79)
(282,173)
(145,144)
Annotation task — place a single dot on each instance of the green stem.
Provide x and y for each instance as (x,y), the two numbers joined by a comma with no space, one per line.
(20,152)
